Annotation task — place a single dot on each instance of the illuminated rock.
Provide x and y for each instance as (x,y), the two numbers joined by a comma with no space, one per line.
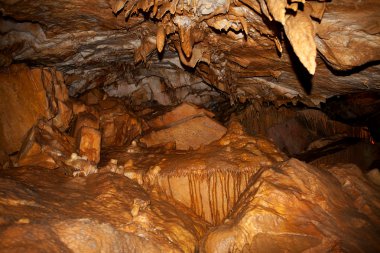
(89,143)
(103,212)
(85,119)
(209,180)
(118,126)
(297,208)
(189,126)
(45,146)
(183,112)
(26,96)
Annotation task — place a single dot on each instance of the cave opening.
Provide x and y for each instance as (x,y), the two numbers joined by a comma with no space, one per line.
(189,126)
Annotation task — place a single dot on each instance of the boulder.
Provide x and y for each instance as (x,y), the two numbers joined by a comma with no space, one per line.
(85,119)
(300,208)
(45,146)
(192,133)
(89,143)
(183,112)
(118,126)
(26,96)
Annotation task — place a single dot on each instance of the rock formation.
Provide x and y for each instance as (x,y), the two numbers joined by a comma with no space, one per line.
(189,126)
(246,48)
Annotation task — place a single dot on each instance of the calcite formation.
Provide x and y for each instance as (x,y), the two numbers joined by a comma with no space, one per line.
(187,126)
(208,180)
(278,213)
(132,162)
(101,213)
(261,49)
(238,193)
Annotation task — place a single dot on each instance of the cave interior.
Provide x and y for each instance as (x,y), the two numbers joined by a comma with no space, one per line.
(189,126)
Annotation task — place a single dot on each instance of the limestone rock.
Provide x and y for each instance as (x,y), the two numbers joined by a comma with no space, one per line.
(344,43)
(85,119)
(118,126)
(89,143)
(181,113)
(297,208)
(23,101)
(91,214)
(26,96)
(209,180)
(79,107)
(81,165)
(192,133)
(45,146)
(242,59)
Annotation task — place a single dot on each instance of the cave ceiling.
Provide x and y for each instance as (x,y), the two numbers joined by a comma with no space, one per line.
(283,51)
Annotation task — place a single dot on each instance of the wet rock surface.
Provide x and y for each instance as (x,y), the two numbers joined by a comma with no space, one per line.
(208,180)
(298,208)
(87,184)
(48,211)
(249,48)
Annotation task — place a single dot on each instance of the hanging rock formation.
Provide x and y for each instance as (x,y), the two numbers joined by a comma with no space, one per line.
(260,49)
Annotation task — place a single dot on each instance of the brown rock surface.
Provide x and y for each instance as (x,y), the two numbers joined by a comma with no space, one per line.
(44,211)
(118,126)
(208,180)
(181,113)
(192,133)
(85,119)
(237,47)
(89,140)
(45,146)
(26,96)
(298,208)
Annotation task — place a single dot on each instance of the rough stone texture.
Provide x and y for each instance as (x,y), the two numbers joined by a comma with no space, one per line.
(89,140)
(45,146)
(297,208)
(118,126)
(192,133)
(294,131)
(346,44)
(85,119)
(241,59)
(208,180)
(100,213)
(182,112)
(26,96)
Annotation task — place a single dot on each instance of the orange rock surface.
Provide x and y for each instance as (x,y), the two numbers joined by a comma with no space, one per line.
(300,208)
(117,125)
(192,133)
(181,113)
(26,96)
(89,140)
(209,180)
(45,211)
(45,146)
